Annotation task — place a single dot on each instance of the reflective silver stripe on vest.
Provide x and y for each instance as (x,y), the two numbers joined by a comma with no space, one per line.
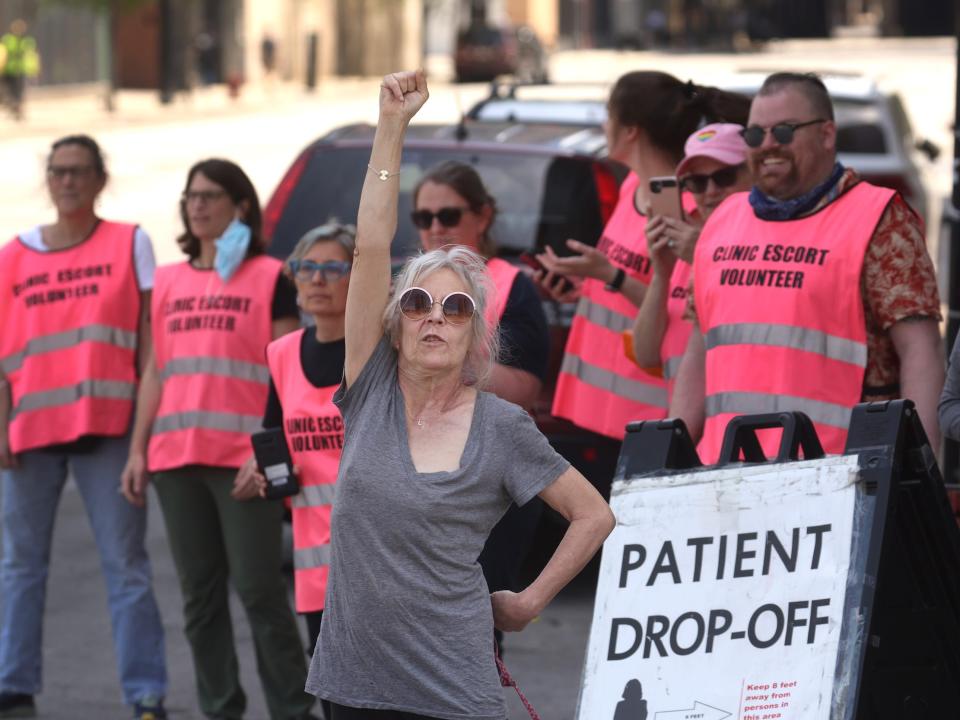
(600,315)
(68,338)
(671,366)
(617,384)
(110,389)
(204,365)
(789,336)
(749,403)
(194,419)
(311,557)
(314,496)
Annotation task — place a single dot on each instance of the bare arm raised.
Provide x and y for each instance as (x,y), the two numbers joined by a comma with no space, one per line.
(402,94)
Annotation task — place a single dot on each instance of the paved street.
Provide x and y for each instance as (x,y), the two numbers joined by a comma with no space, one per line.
(149,150)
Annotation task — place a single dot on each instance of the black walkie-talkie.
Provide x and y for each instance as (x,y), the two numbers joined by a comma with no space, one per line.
(273,459)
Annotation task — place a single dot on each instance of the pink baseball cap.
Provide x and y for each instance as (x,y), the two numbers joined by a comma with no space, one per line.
(720,141)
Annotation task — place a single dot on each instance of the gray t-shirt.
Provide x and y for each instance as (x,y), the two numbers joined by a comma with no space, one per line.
(407,624)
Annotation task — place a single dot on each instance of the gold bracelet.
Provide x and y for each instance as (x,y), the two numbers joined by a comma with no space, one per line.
(383,175)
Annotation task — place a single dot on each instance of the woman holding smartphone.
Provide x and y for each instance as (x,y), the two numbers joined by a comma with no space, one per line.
(651,114)
(203,392)
(713,168)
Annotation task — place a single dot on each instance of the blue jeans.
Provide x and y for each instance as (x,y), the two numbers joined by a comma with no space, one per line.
(30,496)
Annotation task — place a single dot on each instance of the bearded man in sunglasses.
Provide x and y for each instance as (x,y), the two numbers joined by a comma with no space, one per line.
(814,291)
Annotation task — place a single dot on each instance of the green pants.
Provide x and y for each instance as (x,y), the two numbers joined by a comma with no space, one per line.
(214,537)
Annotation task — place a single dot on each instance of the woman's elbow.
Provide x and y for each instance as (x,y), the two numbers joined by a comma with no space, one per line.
(606,521)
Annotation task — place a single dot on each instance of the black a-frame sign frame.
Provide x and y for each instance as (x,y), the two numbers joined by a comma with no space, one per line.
(911,598)
(909,603)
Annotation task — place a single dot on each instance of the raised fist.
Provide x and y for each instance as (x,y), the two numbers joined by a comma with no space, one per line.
(402,94)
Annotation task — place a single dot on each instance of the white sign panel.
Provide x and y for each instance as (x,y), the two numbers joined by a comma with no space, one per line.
(721,595)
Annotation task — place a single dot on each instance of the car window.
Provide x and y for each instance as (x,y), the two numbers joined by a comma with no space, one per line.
(487,36)
(542,200)
(860,129)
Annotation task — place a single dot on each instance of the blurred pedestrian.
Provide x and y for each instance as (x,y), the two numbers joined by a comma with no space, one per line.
(429,465)
(814,291)
(203,392)
(20,60)
(76,329)
(306,367)
(452,207)
(713,168)
(651,115)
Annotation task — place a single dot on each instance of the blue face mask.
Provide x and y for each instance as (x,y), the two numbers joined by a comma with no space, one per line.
(231,249)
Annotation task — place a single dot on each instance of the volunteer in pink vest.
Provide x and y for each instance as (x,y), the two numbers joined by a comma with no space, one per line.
(75,319)
(714,166)
(306,368)
(814,291)
(453,207)
(203,392)
(650,116)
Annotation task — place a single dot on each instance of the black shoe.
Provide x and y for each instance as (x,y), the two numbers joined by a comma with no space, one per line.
(17,705)
(149,708)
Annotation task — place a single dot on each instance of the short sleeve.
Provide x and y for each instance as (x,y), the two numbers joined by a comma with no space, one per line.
(284,299)
(531,464)
(898,280)
(524,337)
(381,368)
(143,259)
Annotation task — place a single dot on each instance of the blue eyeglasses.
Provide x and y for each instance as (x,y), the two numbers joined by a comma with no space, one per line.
(306,270)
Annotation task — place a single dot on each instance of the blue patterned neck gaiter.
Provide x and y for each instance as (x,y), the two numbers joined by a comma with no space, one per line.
(768,208)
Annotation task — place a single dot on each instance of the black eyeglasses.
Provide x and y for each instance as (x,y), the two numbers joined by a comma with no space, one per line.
(204,196)
(449,217)
(306,270)
(723,178)
(782,132)
(416,304)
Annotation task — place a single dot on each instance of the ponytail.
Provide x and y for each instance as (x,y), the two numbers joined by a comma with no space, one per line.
(669,110)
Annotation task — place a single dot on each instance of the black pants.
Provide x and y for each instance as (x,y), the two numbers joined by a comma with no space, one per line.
(342,712)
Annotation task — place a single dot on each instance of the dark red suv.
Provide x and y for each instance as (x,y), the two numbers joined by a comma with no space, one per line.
(551,183)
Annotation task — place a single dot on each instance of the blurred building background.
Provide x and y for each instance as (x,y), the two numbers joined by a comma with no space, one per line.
(174,45)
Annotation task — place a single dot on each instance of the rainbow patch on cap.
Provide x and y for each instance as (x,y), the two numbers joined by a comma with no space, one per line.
(706,135)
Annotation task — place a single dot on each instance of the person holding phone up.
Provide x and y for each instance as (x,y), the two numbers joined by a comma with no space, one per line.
(453,207)
(713,168)
(203,392)
(651,114)
(306,367)
(430,463)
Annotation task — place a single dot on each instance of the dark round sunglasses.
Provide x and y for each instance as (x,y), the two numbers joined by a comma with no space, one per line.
(782,132)
(723,178)
(449,217)
(305,270)
(457,307)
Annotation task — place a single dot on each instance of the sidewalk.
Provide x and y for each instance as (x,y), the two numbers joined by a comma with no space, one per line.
(58,110)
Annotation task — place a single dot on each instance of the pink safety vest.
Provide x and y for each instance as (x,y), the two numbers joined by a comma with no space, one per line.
(314,431)
(677,332)
(598,387)
(502,275)
(209,339)
(68,346)
(781,313)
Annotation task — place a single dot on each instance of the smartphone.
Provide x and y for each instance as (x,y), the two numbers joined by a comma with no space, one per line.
(665,198)
(273,460)
(530,260)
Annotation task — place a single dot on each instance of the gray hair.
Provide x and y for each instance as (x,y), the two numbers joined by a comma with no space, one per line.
(332,231)
(472,270)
